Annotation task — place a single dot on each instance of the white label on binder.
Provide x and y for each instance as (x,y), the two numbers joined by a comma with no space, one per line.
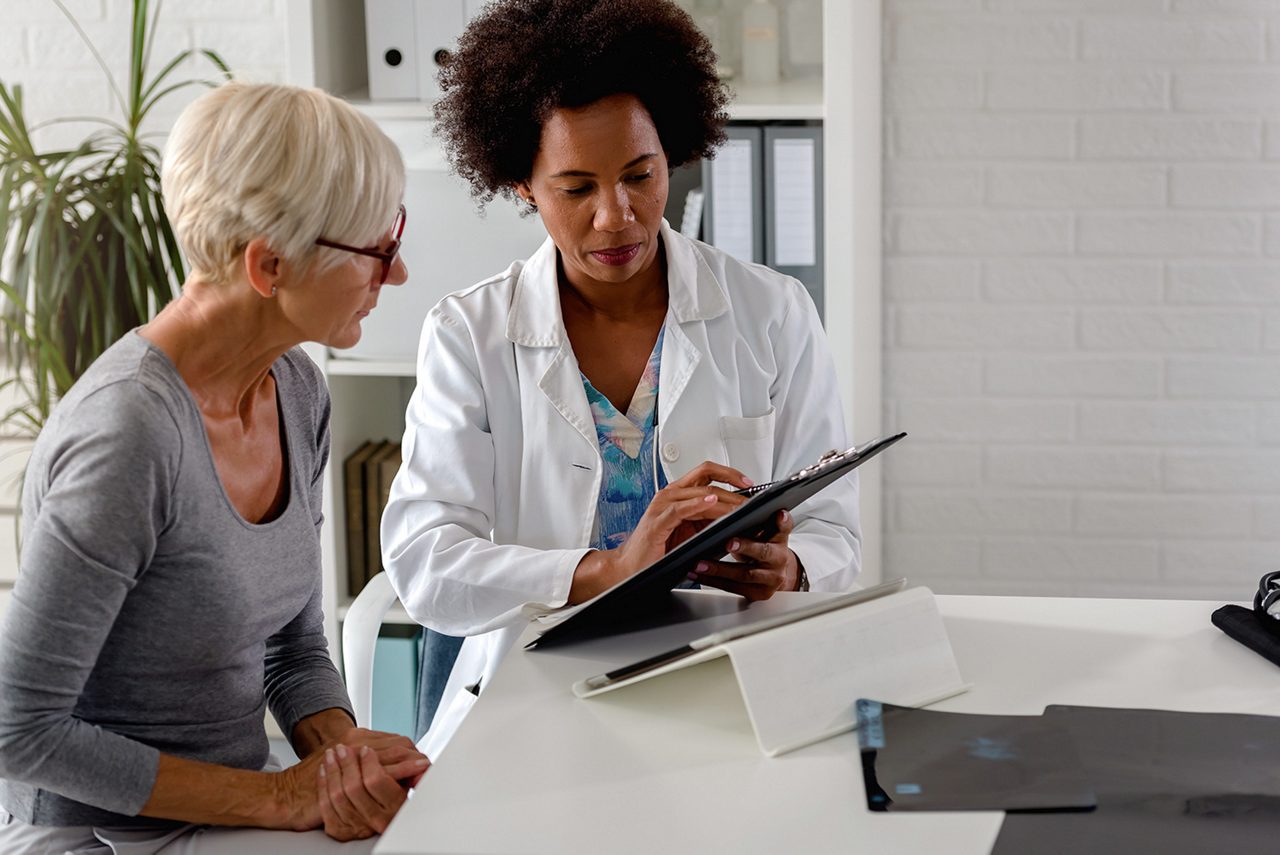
(731,214)
(795,226)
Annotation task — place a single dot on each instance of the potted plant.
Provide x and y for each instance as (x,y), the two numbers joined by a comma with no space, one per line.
(88,251)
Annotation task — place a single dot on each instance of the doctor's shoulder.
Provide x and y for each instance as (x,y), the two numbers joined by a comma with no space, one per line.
(479,309)
(752,288)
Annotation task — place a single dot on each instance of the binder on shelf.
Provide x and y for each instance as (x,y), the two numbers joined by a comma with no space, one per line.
(436,28)
(800,678)
(763,200)
(354,491)
(390,30)
(793,204)
(734,194)
(373,505)
(387,468)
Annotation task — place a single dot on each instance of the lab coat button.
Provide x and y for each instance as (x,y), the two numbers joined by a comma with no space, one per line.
(670,452)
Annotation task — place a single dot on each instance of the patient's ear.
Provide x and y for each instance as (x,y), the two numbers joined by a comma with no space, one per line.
(263,267)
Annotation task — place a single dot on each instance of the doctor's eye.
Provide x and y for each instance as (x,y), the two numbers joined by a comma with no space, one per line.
(581,190)
(636,179)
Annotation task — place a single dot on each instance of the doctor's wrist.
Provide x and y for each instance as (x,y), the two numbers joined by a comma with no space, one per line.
(596,572)
(802,578)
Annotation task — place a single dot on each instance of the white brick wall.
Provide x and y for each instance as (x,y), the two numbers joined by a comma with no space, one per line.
(1082,292)
(40,50)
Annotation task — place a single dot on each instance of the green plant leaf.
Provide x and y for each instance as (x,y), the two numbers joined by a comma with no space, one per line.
(89,249)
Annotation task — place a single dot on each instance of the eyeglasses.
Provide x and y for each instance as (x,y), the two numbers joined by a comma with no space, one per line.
(386,256)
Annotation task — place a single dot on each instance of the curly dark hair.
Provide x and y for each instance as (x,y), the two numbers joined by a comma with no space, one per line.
(521,59)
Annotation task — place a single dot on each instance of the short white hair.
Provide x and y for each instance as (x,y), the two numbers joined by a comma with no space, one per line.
(250,160)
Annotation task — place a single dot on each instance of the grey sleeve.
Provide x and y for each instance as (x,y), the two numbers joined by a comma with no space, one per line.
(301,679)
(103,503)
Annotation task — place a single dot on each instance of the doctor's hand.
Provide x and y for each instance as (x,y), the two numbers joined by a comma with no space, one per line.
(761,568)
(677,512)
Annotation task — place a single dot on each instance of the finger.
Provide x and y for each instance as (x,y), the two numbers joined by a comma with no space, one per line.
(752,592)
(746,574)
(406,769)
(670,517)
(375,739)
(382,788)
(767,554)
(786,525)
(671,494)
(398,754)
(328,817)
(353,784)
(708,471)
(341,806)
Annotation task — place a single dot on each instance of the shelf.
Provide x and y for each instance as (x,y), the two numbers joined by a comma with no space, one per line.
(395,615)
(388,110)
(788,100)
(370,368)
(791,99)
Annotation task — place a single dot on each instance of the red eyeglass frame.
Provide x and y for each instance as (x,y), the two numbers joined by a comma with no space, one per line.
(386,256)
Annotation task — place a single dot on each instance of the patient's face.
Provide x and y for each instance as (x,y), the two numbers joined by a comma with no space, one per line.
(600,183)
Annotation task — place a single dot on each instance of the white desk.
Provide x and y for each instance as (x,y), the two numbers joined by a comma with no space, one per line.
(670,765)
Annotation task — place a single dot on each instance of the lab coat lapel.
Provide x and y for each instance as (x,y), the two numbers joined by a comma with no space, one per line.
(694,297)
(535,322)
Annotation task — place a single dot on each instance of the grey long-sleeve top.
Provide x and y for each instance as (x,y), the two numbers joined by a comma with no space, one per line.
(148,615)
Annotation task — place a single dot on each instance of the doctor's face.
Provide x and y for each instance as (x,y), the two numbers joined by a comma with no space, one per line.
(600,183)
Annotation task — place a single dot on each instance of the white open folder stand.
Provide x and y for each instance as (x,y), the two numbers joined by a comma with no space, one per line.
(800,681)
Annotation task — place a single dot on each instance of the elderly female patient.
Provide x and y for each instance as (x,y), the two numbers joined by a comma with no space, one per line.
(170,585)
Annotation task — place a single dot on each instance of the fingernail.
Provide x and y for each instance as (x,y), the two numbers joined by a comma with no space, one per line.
(364,750)
(342,752)
(786,516)
(709,499)
(693,577)
(322,772)
(747,482)
(702,567)
(422,761)
(328,756)
(733,545)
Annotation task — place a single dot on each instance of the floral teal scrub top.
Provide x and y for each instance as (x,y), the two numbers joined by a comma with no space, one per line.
(631,472)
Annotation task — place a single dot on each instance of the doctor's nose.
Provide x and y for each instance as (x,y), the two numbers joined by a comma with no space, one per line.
(614,211)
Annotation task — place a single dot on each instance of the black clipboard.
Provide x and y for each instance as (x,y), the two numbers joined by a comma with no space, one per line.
(614,609)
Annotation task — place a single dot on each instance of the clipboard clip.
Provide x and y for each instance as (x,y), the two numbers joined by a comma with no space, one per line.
(826,460)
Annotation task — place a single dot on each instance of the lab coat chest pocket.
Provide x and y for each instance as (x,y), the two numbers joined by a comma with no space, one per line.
(748,443)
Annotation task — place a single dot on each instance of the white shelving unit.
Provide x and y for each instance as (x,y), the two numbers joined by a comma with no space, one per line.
(325,44)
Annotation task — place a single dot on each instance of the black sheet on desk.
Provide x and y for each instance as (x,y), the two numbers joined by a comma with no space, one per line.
(922,760)
(1167,782)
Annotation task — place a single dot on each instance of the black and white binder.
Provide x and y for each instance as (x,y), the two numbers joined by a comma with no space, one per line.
(793,204)
(733,200)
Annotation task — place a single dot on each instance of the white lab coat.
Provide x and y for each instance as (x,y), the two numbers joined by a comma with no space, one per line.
(495,502)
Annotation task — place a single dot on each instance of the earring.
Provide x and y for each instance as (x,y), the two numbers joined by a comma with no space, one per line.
(273,290)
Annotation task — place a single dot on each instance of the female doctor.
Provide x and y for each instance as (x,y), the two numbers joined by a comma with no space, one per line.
(585,410)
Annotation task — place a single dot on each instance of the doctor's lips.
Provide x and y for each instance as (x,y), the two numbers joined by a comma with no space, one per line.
(616,256)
